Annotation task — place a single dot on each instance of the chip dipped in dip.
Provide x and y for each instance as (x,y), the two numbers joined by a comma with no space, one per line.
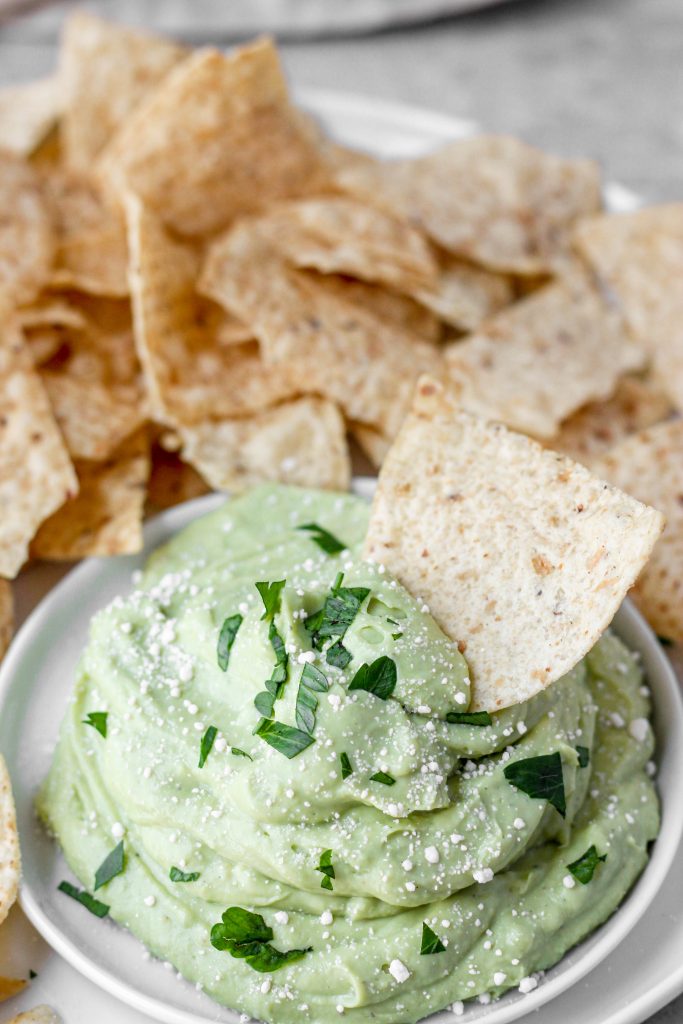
(270,775)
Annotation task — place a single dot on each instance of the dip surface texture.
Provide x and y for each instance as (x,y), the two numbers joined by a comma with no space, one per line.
(440,837)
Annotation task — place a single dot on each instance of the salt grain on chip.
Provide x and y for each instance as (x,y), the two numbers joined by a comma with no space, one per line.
(514,548)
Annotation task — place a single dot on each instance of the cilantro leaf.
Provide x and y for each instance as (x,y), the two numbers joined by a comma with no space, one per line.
(278,678)
(112,865)
(583,868)
(469,718)
(226,639)
(312,681)
(338,655)
(264,703)
(341,606)
(327,867)
(283,738)
(246,936)
(98,720)
(541,778)
(346,767)
(206,744)
(271,595)
(85,899)
(323,538)
(176,875)
(431,943)
(238,752)
(384,778)
(378,678)
(584,756)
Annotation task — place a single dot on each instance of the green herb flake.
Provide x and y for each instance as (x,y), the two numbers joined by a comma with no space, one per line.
(541,778)
(283,738)
(665,641)
(584,868)
(85,899)
(271,595)
(278,678)
(246,936)
(240,753)
(98,720)
(112,865)
(206,744)
(176,875)
(431,943)
(584,756)
(338,655)
(346,766)
(312,681)
(331,621)
(325,540)
(396,636)
(378,678)
(327,867)
(226,639)
(32,974)
(264,703)
(384,778)
(469,718)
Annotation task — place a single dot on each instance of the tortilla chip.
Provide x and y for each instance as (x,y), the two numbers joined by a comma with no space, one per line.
(10,861)
(26,235)
(329,346)
(397,310)
(301,442)
(106,70)
(91,252)
(50,310)
(599,426)
(102,351)
(217,139)
(650,466)
(6,616)
(534,364)
(94,419)
(106,516)
(11,987)
(521,554)
(639,258)
(463,295)
(372,443)
(39,1015)
(28,113)
(190,375)
(36,475)
(171,481)
(490,199)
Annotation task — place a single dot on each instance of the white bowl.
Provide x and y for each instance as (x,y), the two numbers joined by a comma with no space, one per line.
(35,684)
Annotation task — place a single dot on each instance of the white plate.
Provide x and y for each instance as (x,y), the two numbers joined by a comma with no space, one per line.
(35,684)
(643,974)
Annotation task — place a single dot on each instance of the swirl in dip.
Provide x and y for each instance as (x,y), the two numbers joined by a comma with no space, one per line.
(393,852)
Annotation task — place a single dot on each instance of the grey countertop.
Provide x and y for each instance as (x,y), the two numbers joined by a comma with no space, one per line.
(599,78)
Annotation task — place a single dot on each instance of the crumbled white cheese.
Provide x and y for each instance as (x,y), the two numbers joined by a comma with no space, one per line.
(398,971)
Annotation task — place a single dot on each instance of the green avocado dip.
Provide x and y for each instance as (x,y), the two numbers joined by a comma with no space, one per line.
(354,844)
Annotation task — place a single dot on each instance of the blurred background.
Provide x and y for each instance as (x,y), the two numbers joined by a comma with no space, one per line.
(599,78)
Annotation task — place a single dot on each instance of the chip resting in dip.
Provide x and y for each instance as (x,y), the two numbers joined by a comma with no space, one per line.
(329,759)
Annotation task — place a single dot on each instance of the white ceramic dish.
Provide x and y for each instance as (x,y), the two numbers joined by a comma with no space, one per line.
(35,683)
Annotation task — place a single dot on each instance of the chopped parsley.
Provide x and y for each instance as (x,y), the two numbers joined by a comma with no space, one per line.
(327,867)
(346,766)
(384,778)
(325,540)
(246,936)
(206,744)
(271,594)
(379,678)
(85,899)
(469,718)
(112,865)
(176,875)
(238,752)
(584,756)
(541,778)
(226,639)
(583,868)
(312,681)
(98,720)
(283,738)
(396,636)
(431,943)
(331,621)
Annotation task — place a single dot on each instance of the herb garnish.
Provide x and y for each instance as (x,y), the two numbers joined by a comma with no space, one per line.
(98,720)
(112,865)
(265,700)
(338,655)
(283,738)
(431,943)
(270,595)
(238,752)
(226,639)
(469,718)
(176,875)
(396,636)
(206,744)
(379,678)
(334,618)
(384,778)
(346,766)
(583,868)
(323,538)
(584,756)
(312,681)
(32,974)
(85,899)
(327,867)
(246,936)
(540,777)
(264,703)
